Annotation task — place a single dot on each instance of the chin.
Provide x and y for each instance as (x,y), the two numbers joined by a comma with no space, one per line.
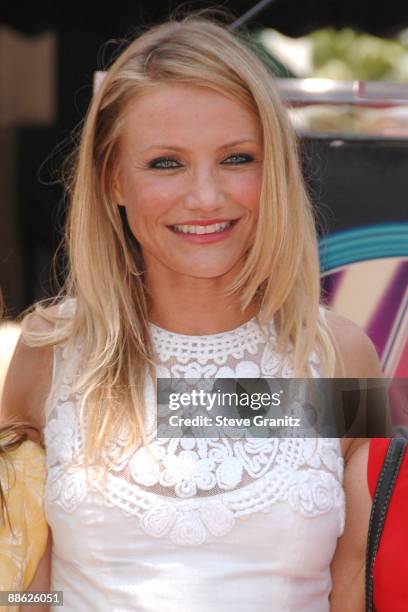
(207,275)
(215,271)
(204,266)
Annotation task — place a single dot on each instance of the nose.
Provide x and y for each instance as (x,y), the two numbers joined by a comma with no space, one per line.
(205,192)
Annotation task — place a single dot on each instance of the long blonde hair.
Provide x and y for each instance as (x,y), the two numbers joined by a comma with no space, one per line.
(105,272)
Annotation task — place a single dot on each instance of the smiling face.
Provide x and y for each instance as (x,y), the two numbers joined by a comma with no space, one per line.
(190,178)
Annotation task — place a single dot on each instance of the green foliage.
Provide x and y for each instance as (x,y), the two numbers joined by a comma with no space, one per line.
(347,54)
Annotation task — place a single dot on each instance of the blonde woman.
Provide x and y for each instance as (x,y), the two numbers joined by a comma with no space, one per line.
(192,252)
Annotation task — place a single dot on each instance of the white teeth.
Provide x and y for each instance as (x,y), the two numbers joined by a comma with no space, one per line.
(202,229)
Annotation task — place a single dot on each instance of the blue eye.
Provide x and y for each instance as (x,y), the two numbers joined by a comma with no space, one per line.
(167,163)
(238,158)
(164,163)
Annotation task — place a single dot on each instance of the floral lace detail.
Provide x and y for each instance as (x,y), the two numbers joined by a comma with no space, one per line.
(310,492)
(312,489)
(189,489)
(188,466)
(210,356)
(201,349)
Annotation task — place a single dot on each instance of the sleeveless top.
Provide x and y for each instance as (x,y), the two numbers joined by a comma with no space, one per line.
(236,525)
(391,563)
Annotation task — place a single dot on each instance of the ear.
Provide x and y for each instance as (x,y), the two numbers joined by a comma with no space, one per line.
(116,190)
(117,194)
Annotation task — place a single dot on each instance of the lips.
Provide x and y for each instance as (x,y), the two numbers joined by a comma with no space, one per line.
(202,229)
(204,232)
(202,222)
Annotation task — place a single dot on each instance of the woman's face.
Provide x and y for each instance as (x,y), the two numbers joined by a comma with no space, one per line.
(190,179)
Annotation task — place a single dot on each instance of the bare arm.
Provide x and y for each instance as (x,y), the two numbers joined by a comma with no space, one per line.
(348,565)
(25,390)
(27,381)
(42,577)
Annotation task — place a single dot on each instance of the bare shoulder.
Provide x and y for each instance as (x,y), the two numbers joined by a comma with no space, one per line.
(356,358)
(357,351)
(28,378)
(38,323)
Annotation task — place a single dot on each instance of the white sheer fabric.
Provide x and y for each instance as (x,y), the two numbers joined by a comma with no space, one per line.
(235,525)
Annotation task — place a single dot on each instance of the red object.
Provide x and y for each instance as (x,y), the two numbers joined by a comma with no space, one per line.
(391,563)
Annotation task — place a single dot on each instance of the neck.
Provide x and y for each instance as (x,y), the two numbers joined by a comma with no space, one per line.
(197,307)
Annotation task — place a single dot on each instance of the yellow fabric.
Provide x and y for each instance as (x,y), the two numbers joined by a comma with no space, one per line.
(22,477)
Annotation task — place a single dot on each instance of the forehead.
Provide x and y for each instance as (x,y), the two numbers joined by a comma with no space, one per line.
(186,114)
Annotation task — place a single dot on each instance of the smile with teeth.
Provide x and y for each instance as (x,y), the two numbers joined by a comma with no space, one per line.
(202,229)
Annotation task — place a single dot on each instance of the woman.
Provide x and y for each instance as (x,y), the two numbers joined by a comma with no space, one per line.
(192,253)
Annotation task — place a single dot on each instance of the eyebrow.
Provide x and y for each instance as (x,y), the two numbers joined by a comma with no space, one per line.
(224,146)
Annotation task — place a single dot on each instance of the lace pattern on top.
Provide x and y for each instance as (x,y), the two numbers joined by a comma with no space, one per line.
(195,488)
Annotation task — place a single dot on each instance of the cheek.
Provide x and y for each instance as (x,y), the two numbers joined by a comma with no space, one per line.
(151,199)
(247,191)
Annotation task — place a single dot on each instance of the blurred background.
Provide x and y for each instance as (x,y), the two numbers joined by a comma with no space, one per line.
(343,72)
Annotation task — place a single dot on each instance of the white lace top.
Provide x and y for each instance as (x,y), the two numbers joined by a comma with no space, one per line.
(230,524)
